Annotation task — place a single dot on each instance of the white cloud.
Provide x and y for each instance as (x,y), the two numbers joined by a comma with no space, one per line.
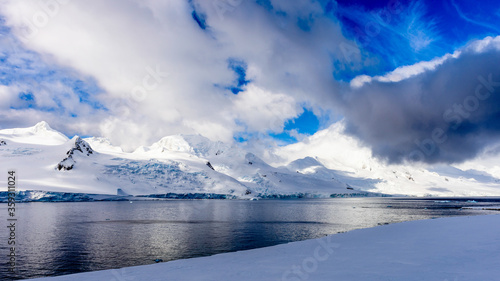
(7,96)
(408,71)
(262,110)
(403,72)
(119,42)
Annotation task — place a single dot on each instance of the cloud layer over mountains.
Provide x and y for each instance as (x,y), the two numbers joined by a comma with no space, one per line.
(135,71)
(448,112)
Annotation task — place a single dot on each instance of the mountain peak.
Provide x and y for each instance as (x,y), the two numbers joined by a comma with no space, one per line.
(304,163)
(175,143)
(42,126)
(80,145)
(195,144)
(41,133)
(102,144)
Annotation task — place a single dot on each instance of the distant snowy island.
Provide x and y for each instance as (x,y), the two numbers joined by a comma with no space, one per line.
(52,167)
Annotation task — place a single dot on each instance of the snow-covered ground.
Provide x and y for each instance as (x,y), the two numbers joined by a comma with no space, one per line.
(446,249)
(325,164)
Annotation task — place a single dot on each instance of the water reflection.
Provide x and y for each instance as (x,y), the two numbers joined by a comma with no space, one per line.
(62,238)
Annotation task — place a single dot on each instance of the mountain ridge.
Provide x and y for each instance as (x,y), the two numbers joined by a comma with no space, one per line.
(332,164)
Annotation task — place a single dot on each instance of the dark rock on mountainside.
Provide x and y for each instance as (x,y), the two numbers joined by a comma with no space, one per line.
(80,146)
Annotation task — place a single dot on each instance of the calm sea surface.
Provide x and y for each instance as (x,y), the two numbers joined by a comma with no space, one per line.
(62,238)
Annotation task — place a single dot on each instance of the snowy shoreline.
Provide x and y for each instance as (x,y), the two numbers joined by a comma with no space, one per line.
(458,248)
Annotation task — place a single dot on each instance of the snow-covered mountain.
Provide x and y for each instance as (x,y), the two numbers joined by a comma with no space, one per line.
(326,164)
(333,150)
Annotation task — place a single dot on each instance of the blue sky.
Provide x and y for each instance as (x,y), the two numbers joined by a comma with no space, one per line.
(232,70)
(414,31)
(398,33)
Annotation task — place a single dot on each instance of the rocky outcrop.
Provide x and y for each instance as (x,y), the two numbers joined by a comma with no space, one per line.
(80,146)
(210,165)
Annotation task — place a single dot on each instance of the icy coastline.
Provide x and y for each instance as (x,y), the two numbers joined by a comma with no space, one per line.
(459,248)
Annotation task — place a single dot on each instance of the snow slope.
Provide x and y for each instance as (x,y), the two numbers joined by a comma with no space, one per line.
(328,163)
(459,248)
(41,133)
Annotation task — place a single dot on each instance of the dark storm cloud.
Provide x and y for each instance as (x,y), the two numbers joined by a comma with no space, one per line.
(449,114)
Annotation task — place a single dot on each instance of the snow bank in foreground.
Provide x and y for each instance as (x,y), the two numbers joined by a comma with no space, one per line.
(460,248)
